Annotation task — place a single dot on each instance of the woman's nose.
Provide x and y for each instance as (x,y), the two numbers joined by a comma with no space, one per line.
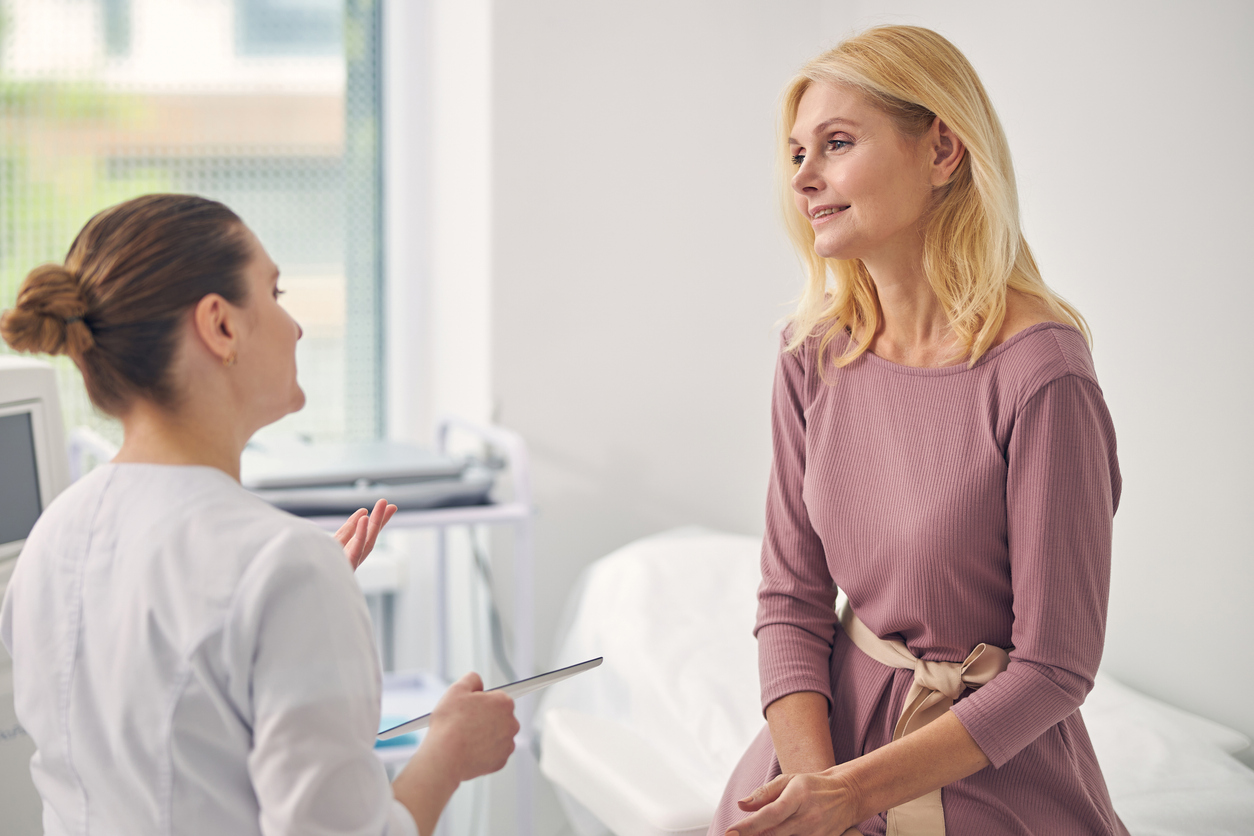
(807,178)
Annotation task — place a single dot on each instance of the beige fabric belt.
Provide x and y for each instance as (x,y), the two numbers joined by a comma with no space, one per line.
(936,686)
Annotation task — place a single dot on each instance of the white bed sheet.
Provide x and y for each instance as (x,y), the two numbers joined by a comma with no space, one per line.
(645,743)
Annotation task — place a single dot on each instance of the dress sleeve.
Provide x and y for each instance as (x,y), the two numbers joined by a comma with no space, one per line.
(314,686)
(1062,489)
(796,621)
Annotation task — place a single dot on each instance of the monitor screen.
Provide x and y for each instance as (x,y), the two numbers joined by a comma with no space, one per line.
(19,484)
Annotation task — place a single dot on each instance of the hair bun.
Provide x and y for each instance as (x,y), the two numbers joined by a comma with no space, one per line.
(48,315)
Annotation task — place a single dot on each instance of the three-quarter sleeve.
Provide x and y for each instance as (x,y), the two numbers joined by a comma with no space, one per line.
(313,693)
(796,622)
(1062,489)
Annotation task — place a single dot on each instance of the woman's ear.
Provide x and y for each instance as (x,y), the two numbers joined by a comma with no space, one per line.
(947,151)
(215,324)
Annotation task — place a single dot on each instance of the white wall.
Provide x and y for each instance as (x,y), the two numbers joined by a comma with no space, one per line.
(639,268)
(1130,125)
(437,193)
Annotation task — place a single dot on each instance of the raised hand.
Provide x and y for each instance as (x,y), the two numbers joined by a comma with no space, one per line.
(359,531)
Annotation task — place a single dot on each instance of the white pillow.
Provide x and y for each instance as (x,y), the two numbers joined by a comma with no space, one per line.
(1168,771)
(1108,689)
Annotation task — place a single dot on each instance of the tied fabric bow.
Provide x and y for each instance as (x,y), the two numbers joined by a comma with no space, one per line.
(936,686)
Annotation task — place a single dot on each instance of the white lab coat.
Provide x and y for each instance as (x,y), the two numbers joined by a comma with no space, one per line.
(190,660)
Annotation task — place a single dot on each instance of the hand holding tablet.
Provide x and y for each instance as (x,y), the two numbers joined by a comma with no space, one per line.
(513,689)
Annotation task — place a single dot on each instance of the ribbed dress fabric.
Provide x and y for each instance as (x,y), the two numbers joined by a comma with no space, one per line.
(954,506)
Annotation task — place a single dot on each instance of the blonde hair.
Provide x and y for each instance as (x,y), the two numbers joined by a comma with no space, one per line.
(973,248)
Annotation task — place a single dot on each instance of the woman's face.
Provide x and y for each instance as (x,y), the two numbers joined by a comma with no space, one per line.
(266,361)
(864,186)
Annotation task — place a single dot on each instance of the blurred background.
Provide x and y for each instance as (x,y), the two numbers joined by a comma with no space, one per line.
(267,105)
(561,216)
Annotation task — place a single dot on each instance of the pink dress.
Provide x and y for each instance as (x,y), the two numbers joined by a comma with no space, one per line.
(953,506)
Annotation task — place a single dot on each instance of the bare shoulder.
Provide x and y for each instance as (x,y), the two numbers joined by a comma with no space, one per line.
(1022,311)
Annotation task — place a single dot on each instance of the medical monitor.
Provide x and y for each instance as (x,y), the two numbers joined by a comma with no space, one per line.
(33,470)
(33,463)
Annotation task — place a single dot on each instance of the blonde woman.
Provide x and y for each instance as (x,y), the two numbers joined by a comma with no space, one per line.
(943,455)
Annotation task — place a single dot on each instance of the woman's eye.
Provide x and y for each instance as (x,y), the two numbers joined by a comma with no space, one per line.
(278,293)
(838,144)
(798,159)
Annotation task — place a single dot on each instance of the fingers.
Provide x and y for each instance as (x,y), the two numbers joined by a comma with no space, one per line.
(355,549)
(470,682)
(770,816)
(378,516)
(346,531)
(503,703)
(376,519)
(360,531)
(764,794)
(368,528)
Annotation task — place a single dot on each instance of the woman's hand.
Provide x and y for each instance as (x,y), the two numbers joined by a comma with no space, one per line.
(472,730)
(358,533)
(832,801)
(472,733)
(811,804)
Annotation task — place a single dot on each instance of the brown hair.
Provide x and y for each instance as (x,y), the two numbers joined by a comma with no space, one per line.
(116,304)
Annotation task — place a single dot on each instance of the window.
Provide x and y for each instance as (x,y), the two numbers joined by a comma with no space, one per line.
(289,27)
(271,106)
(116,22)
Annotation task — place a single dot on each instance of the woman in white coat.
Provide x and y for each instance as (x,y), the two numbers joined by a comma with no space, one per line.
(187,658)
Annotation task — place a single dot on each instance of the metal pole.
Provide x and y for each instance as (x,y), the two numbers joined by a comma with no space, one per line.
(524,653)
(441,604)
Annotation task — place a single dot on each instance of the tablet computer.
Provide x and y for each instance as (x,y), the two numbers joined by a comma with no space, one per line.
(514,689)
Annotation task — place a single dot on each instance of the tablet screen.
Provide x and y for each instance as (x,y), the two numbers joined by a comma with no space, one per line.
(514,689)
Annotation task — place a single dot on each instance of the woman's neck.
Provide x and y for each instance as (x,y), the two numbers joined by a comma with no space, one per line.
(155,435)
(914,328)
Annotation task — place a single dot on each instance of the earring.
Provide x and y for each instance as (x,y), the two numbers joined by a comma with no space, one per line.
(229,360)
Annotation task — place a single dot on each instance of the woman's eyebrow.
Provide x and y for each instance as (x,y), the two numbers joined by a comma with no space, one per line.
(822,126)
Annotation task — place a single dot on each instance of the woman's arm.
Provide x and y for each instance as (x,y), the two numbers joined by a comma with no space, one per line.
(301,669)
(836,799)
(796,621)
(800,733)
(472,734)
(1062,488)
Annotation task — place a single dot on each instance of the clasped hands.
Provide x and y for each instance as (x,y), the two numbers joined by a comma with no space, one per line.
(805,804)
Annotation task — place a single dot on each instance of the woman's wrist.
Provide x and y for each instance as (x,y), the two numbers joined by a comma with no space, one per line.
(925,760)
(424,788)
(843,783)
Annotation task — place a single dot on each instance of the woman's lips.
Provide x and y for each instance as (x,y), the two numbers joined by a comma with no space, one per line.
(827,213)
